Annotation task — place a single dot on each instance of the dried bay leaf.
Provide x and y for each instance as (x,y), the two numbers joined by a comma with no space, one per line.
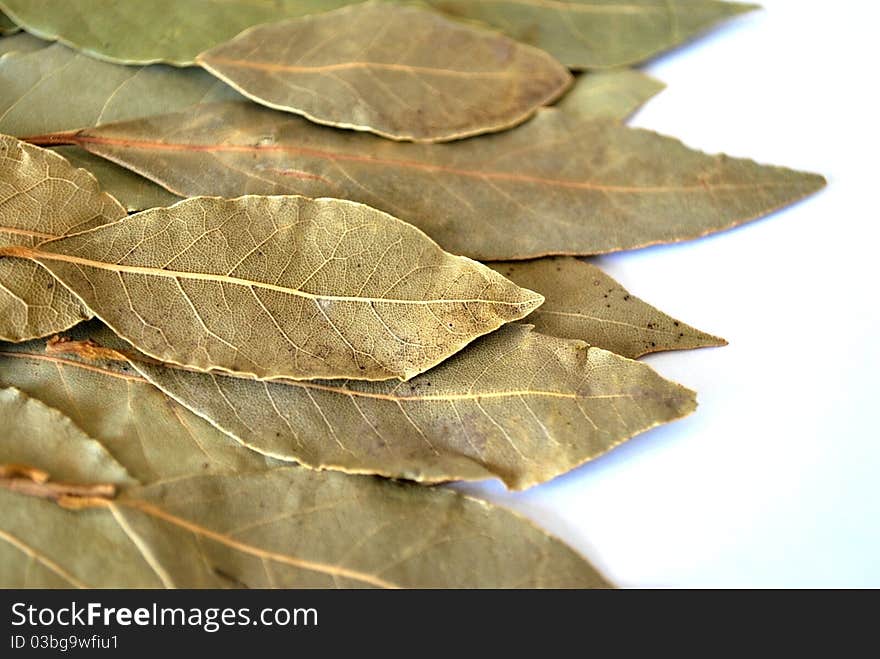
(582,302)
(20,43)
(42,196)
(42,545)
(580,33)
(612,94)
(515,405)
(401,72)
(45,546)
(131,190)
(7,26)
(282,287)
(555,185)
(360,532)
(261,528)
(34,434)
(31,85)
(154,437)
(171,31)
(284,528)
(594,34)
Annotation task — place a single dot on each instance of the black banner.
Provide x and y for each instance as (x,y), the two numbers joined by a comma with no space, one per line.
(126,621)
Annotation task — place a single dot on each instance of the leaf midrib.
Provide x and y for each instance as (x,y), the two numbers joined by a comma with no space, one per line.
(276,67)
(40,255)
(325,568)
(340,390)
(83,140)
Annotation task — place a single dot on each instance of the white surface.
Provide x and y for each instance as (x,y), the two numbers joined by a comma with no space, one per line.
(775,481)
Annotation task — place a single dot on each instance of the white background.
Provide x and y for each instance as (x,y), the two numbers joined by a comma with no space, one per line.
(775,481)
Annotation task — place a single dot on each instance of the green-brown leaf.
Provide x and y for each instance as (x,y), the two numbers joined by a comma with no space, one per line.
(154,437)
(582,302)
(515,405)
(555,185)
(36,435)
(171,31)
(285,528)
(596,34)
(42,196)
(580,33)
(7,26)
(31,86)
(257,528)
(401,72)
(131,190)
(20,43)
(609,94)
(283,287)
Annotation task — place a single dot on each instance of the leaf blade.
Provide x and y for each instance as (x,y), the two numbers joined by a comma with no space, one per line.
(615,190)
(105,92)
(582,34)
(598,34)
(39,436)
(414,531)
(515,405)
(31,85)
(183,534)
(7,26)
(582,302)
(332,288)
(66,549)
(20,43)
(134,192)
(154,437)
(244,529)
(42,196)
(613,94)
(410,84)
(92,26)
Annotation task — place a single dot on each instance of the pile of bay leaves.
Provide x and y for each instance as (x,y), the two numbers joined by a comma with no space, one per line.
(368,288)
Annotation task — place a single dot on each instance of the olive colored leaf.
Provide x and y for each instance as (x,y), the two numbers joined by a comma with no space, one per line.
(45,546)
(37,538)
(401,72)
(42,196)
(609,94)
(137,32)
(131,190)
(580,33)
(19,44)
(582,302)
(7,26)
(248,524)
(283,287)
(31,85)
(36,435)
(284,528)
(555,185)
(593,34)
(515,405)
(154,437)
